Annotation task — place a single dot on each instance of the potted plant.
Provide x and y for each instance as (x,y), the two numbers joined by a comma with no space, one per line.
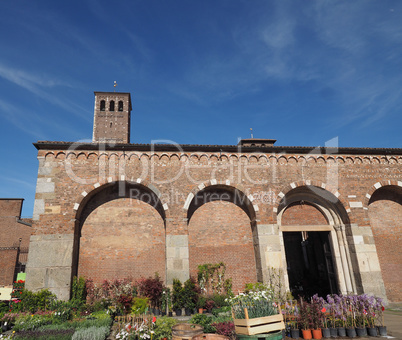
(316,319)
(190,295)
(177,297)
(304,319)
(202,300)
(325,330)
(379,310)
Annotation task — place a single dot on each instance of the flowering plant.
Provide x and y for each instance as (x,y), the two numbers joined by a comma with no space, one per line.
(140,329)
(258,304)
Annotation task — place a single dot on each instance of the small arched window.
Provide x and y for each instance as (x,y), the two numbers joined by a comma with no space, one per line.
(120,105)
(111,106)
(102,105)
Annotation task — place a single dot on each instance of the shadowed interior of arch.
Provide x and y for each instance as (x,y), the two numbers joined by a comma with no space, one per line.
(221,193)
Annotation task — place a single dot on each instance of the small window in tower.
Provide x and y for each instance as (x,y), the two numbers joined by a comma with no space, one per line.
(111,106)
(102,105)
(120,105)
(111,124)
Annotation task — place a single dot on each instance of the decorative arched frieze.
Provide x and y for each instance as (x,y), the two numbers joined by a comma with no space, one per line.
(61,155)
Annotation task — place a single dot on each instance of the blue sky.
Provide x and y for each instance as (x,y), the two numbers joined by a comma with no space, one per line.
(199,72)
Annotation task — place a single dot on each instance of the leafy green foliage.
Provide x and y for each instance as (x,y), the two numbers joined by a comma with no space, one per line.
(31,302)
(92,333)
(177,295)
(140,305)
(28,322)
(78,289)
(190,293)
(205,321)
(163,327)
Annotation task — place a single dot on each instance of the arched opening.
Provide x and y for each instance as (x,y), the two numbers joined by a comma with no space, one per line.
(111,105)
(221,226)
(120,233)
(120,105)
(102,105)
(385,211)
(312,222)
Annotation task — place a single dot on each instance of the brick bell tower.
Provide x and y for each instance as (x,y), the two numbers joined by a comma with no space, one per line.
(112,116)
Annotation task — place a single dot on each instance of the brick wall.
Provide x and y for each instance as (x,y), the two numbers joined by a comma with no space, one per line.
(221,232)
(122,238)
(303,214)
(385,212)
(266,177)
(10,233)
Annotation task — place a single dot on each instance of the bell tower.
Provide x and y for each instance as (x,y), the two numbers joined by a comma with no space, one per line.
(112,116)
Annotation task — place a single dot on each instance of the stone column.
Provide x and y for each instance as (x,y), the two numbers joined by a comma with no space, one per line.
(49,264)
(345,265)
(177,258)
(270,249)
(367,260)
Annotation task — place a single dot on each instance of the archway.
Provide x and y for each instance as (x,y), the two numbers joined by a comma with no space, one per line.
(221,228)
(312,222)
(385,211)
(120,233)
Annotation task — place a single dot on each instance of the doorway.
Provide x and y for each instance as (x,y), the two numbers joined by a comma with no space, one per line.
(309,263)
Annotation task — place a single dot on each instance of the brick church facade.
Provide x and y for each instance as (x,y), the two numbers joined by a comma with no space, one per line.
(328,218)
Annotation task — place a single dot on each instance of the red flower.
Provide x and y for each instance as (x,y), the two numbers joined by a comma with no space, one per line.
(382,308)
(154,319)
(323,310)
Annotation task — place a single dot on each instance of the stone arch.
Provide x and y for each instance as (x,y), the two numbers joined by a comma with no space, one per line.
(318,200)
(118,225)
(384,212)
(61,155)
(49,155)
(221,223)
(377,186)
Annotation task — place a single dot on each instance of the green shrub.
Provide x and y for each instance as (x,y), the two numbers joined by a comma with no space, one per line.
(79,289)
(31,302)
(91,333)
(163,327)
(223,311)
(30,322)
(140,305)
(220,300)
(204,321)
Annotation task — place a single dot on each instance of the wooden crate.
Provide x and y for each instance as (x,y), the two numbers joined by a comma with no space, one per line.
(262,325)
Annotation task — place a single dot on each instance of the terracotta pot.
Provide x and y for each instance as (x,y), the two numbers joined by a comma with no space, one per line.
(307,334)
(200,310)
(317,334)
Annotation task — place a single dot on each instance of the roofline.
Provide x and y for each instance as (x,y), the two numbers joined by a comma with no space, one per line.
(47,145)
(111,92)
(7,199)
